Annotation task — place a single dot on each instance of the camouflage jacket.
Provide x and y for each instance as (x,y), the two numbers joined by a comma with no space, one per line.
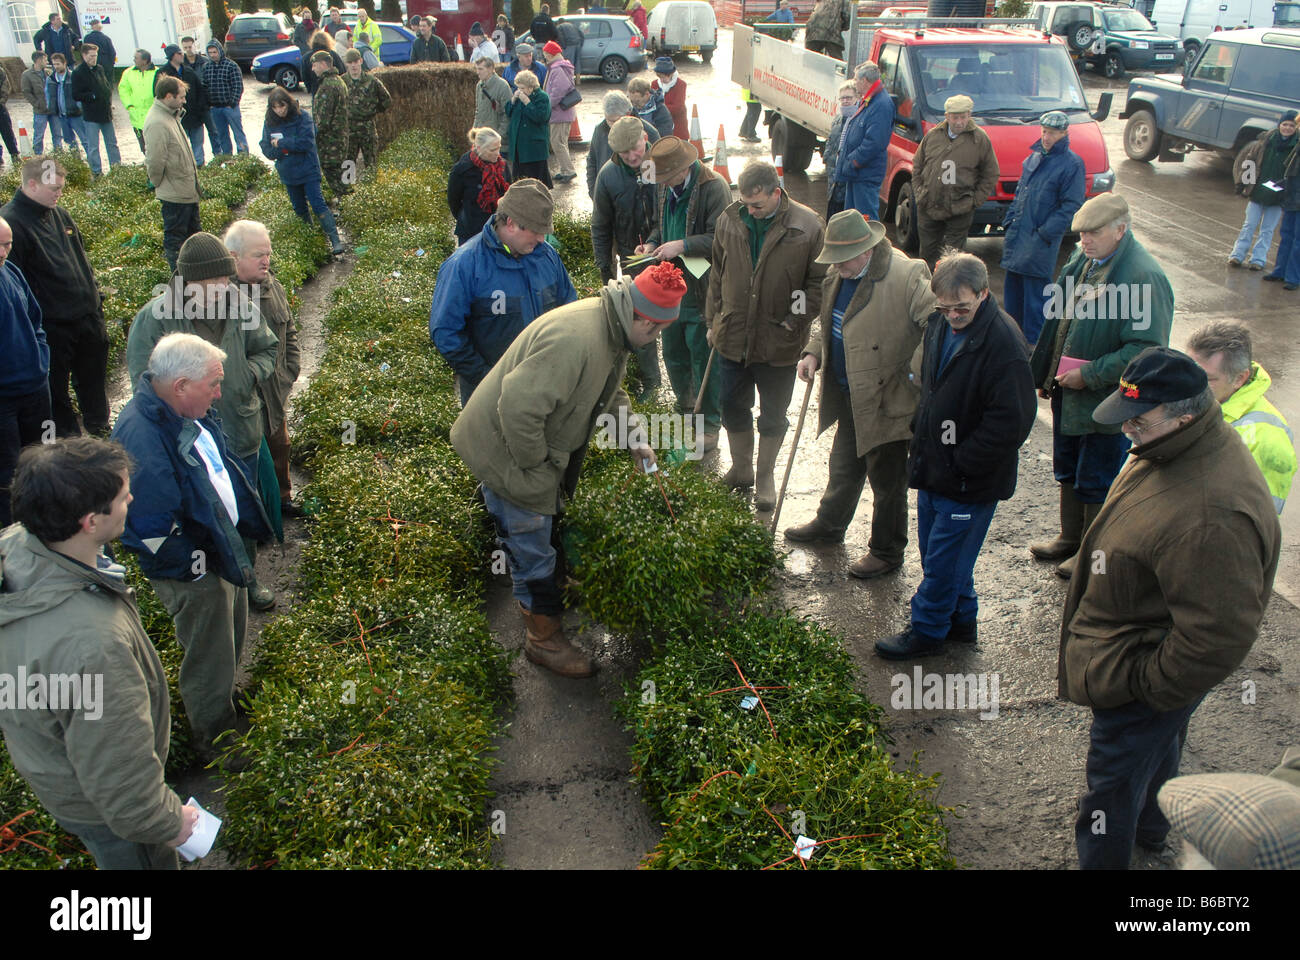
(329,108)
(367,96)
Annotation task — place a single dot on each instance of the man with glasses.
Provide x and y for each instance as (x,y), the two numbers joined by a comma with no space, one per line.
(1110,302)
(1176,573)
(976,410)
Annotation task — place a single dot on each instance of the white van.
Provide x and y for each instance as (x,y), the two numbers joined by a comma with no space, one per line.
(682,26)
(1194,20)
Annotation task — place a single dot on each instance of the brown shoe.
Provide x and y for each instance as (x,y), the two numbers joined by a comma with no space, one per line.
(871,566)
(814,532)
(546,646)
(1065,569)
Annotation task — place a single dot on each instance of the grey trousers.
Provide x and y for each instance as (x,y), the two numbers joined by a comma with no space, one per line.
(111,852)
(211,617)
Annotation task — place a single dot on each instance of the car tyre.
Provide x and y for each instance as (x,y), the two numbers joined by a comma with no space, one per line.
(1114,65)
(1142,136)
(613,69)
(286,75)
(1079,36)
(706,56)
(905,228)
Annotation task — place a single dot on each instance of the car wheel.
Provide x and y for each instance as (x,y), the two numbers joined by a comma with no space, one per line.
(706,56)
(909,239)
(1079,36)
(286,76)
(1142,136)
(613,69)
(1114,66)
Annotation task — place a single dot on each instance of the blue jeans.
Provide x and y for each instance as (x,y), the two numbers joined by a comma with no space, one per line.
(225,120)
(64,132)
(302,194)
(1288,250)
(862,196)
(92,134)
(1025,298)
(1088,463)
(39,122)
(1265,218)
(526,538)
(950,534)
(775,386)
(1134,749)
(196,144)
(112,852)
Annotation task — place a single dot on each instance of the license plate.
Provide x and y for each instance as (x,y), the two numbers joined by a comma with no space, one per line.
(1164,56)
(691,48)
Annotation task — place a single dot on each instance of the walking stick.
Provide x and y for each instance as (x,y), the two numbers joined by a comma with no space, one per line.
(794,445)
(704,381)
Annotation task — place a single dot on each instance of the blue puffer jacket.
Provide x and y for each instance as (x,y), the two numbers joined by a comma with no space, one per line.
(862,156)
(296,160)
(176,510)
(486,296)
(1051,190)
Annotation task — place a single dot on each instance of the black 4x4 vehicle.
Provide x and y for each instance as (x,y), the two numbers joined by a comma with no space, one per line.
(1237,87)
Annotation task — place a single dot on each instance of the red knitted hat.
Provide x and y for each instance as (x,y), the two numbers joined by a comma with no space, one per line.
(552,48)
(658,291)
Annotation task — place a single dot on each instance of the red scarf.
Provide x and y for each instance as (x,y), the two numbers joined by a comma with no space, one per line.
(871,92)
(494,182)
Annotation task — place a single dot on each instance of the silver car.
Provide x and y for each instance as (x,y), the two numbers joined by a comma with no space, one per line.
(612,46)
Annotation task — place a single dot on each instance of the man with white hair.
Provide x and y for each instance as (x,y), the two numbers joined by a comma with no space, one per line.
(249,242)
(616,106)
(954,171)
(194,503)
(861,163)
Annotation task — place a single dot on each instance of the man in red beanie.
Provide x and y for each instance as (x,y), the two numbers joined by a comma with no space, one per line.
(524,433)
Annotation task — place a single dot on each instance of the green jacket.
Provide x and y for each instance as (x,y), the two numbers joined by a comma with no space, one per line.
(710,195)
(329,108)
(251,347)
(367,96)
(168,159)
(136,90)
(58,616)
(273,302)
(539,405)
(1133,310)
(1265,433)
(490,99)
(529,135)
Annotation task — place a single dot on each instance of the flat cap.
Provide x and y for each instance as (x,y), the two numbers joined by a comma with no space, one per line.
(625,134)
(528,203)
(1099,211)
(958,104)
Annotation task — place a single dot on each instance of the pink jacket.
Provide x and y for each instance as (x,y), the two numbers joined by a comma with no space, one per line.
(640,19)
(559,81)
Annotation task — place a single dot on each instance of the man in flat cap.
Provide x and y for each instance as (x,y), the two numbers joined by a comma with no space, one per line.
(1050,191)
(525,431)
(868,389)
(954,171)
(1167,598)
(1110,302)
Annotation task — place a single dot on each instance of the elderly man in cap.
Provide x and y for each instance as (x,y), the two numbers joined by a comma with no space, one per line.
(976,410)
(199,300)
(954,171)
(764,289)
(860,165)
(1222,349)
(689,200)
(525,59)
(868,389)
(329,109)
(195,503)
(1050,191)
(616,106)
(498,283)
(1175,574)
(1110,302)
(525,431)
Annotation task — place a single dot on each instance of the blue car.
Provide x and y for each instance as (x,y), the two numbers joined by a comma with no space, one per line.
(284,66)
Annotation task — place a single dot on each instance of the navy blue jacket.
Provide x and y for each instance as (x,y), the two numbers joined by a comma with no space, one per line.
(176,510)
(107,52)
(296,160)
(64,42)
(512,71)
(862,157)
(485,296)
(973,415)
(1051,190)
(24,354)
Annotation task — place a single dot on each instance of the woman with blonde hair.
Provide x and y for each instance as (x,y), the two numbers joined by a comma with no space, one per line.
(529,111)
(477,182)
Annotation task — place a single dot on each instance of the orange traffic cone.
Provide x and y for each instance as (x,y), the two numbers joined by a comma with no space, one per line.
(575,133)
(697,141)
(460,51)
(720,157)
(780,170)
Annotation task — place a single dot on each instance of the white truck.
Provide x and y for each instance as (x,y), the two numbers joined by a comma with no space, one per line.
(1193,20)
(147,24)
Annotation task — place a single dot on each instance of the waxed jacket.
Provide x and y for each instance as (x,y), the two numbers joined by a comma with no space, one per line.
(598,150)
(1131,308)
(1265,433)
(975,413)
(968,158)
(1174,574)
(177,517)
(295,157)
(273,304)
(470,325)
(1050,191)
(538,406)
(882,329)
(862,152)
(763,313)
(32,85)
(103,763)
(710,195)
(622,214)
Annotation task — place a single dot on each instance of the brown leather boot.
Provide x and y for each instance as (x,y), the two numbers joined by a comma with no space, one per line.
(1065,569)
(765,473)
(1071,529)
(741,474)
(546,645)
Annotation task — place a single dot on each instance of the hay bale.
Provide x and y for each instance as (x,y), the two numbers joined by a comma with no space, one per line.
(14,66)
(433,96)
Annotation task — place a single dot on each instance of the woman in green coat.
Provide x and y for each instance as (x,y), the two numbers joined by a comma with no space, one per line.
(529,111)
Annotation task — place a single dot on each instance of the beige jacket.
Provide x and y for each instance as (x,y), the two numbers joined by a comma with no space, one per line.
(168,159)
